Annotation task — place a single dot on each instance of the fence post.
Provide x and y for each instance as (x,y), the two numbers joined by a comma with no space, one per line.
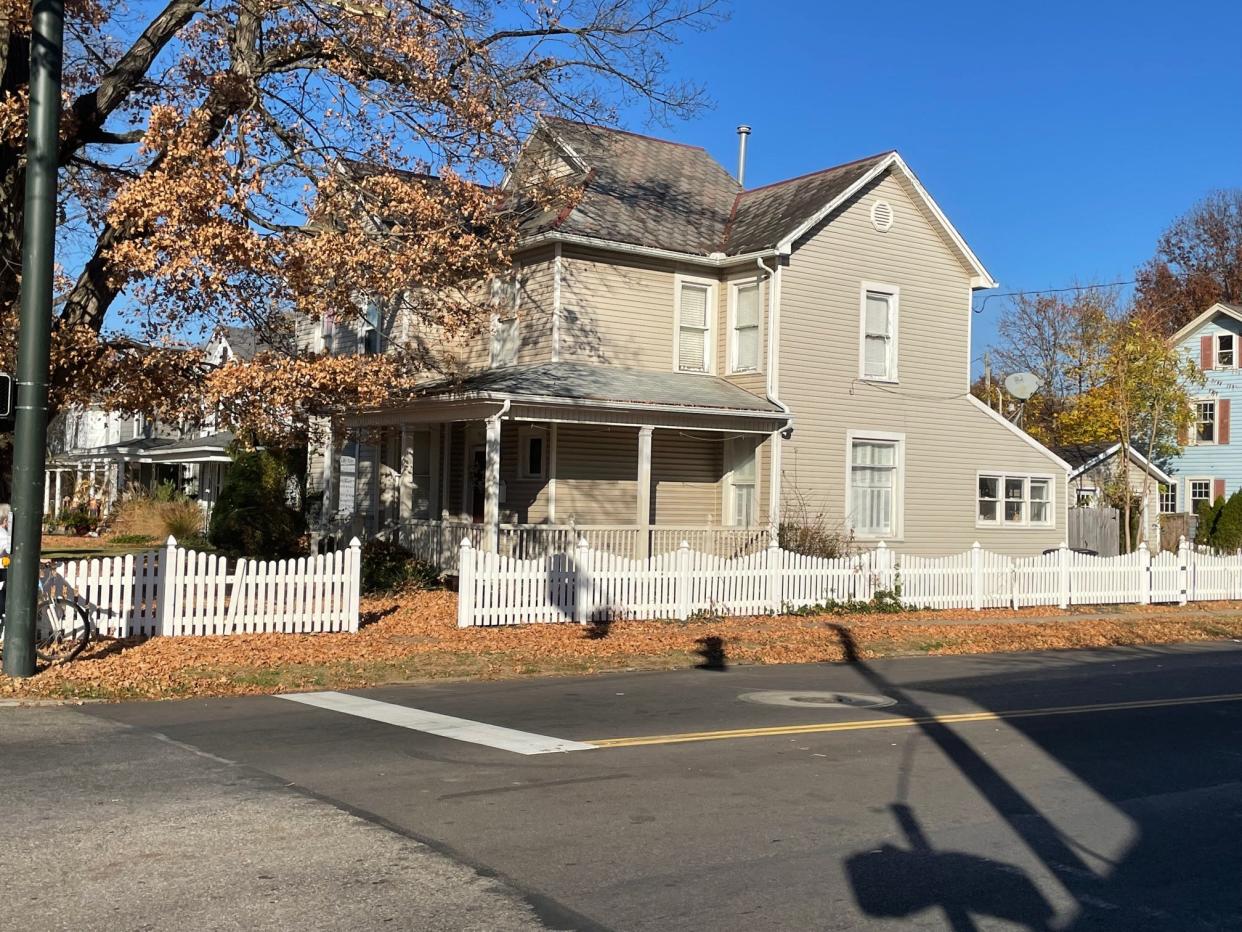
(883,564)
(582,583)
(1145,582)
(976,576)
(465,584)
(355,583)
(683,581)
(166,590)
(1183,570)
(776,597)
(1063,597)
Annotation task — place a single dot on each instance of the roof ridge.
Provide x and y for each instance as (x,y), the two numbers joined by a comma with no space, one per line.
(820,171)
(626,132)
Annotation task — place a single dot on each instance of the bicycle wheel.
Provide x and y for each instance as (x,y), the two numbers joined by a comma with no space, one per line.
(62,630)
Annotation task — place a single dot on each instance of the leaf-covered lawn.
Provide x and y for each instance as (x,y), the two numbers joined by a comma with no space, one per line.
(414,637)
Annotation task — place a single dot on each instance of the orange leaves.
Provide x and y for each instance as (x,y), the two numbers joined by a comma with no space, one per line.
(415,636)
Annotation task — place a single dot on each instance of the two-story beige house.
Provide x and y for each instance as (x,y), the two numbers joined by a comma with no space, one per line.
(678,356)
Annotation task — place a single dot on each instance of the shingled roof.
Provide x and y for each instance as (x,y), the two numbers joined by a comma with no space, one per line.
(652,192)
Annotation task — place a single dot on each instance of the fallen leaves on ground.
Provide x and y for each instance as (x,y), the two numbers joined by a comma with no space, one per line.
(414,636)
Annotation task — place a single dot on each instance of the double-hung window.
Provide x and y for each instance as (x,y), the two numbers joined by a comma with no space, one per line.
(1008,499)
(505,334)
(371,343)
(1225,355)
(533,450)
(1168,499)
(745,336)
(1205,421)
(742,481)
(879,334)
(875,487)
(694,329)
(1200,493)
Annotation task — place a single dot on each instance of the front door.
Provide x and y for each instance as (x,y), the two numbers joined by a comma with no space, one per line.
(478,476)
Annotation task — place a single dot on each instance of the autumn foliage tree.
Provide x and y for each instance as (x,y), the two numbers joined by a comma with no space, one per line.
(263,162)
(1198,262)
(1137,393)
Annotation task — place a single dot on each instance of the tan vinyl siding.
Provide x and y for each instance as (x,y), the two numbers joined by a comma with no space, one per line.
(685,477)
(947,439)
(537,278)
(597,475)
(526,500)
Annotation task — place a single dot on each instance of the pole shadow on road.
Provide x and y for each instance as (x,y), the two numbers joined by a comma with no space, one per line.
(1135,893)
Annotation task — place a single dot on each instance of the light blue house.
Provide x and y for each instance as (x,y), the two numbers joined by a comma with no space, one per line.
(1210,465)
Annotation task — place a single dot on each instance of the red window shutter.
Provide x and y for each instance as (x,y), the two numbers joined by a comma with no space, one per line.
(1205,353)
(1222,427)
(1218,489)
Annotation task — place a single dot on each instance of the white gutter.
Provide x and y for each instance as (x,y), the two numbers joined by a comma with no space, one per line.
(774,334)
(715,260)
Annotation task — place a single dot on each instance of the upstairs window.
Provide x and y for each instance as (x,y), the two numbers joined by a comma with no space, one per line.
(1205,421)
(370,343)
(694,329)
(879,335)
(1225,351)
(746,327)
(504,342)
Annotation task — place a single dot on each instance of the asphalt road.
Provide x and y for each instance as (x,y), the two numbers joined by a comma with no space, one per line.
(1072,790)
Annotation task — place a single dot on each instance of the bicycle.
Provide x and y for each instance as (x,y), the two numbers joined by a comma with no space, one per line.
(62,626)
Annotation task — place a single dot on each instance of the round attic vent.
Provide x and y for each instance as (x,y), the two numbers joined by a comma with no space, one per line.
(882,216)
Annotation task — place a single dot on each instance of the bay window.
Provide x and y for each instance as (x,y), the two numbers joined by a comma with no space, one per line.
(745,335)
(694,330)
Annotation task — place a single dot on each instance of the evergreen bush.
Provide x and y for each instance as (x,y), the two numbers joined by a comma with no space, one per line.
(252,516)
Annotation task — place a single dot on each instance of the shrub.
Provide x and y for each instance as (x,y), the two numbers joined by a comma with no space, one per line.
(1227,532)
(804,529)
(133,539)
(1208,515)
(389,567)
(182,518)
(77,520)
(252,516)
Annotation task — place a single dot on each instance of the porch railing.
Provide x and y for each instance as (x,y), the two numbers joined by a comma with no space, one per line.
(439,542)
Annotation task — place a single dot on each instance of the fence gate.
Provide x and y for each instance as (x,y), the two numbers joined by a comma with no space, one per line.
(1097,529)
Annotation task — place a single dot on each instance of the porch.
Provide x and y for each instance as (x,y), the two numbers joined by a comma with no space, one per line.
(530,469)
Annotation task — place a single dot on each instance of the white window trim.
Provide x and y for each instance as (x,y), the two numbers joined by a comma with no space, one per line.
(894,294)
(1216,350)
(734,286)
(730,504)
(709,358)
(1160,487)
(1026,521)
(524,436)
(1210,480)
(899,482)
(1194,427)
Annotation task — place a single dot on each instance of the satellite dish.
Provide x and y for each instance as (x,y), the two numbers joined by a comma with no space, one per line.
(1022,385)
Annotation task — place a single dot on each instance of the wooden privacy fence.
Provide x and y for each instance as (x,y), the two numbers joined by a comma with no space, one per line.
(591,585)
(175,591)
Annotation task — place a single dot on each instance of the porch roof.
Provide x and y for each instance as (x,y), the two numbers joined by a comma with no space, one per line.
(568,382)
(210,449)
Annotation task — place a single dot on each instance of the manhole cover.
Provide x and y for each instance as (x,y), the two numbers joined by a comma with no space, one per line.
(811,698)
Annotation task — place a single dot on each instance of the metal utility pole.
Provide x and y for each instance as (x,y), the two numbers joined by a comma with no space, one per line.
(33,345)
(987,378)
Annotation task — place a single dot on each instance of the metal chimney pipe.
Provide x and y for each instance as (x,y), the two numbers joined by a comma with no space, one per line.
(742,132)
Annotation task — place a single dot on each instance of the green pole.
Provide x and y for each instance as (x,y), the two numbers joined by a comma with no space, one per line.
(33,344)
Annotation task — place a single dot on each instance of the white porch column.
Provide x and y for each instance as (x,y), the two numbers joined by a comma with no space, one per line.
(774,481)
(327,510)
(491,485)
(643,513)
(47,489)
(405,478)
(446,465)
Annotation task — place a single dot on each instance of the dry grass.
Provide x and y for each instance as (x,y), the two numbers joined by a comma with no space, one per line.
(414,637)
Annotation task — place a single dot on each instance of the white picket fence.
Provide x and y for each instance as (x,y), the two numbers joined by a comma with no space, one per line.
(175,591)
(593,585)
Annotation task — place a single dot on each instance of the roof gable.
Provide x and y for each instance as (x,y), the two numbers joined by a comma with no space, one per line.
(1220,307)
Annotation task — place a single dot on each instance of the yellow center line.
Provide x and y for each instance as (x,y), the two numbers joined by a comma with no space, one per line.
(900,721)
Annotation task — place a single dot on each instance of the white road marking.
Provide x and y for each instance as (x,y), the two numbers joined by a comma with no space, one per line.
(433,723)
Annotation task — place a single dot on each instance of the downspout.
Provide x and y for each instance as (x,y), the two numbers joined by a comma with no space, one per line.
(774,474)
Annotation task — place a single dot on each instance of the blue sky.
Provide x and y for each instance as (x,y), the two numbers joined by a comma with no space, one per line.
(1060,138)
